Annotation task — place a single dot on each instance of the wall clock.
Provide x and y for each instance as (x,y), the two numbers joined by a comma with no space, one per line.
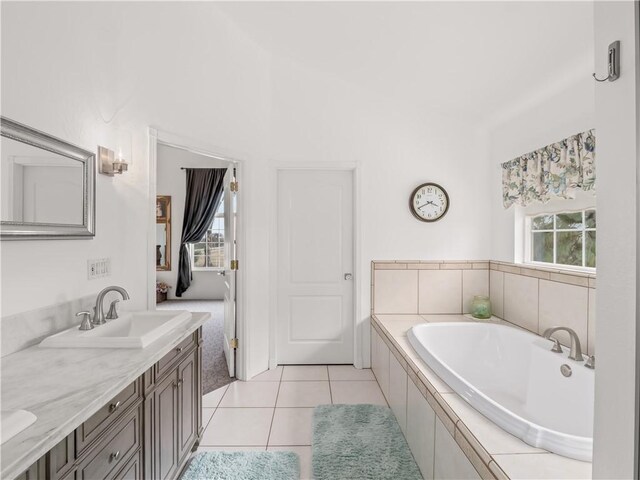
(429,202)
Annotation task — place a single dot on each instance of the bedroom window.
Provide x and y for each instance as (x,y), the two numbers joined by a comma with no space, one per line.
(209,254)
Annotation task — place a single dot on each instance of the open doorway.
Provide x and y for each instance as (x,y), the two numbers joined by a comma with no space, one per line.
(195,250)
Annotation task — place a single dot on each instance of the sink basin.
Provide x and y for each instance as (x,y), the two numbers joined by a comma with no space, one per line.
(12,422)
(131,330)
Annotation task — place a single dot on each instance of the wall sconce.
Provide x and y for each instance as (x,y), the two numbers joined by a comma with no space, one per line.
(110,164)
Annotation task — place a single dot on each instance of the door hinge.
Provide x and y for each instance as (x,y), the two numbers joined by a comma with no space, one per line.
(234,343)
(233,186)
(234,265)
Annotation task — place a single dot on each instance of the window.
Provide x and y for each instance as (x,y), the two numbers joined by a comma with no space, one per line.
(567,238)
(209,254)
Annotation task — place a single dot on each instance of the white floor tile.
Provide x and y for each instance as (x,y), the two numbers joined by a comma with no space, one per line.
(207,413)
(238,426)
(357,392)
(305,455)
(291,426)
(303,394)
(250,394)
(349,372)
(212,399)
(233,449)
(304,372)
(273,375)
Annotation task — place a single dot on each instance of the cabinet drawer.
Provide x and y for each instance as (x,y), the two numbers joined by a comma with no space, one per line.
(110,455)
(107,415)
(167,362)
(132,470)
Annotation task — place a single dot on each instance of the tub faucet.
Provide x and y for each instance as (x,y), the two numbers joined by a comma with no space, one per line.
(98,317)
(576,351)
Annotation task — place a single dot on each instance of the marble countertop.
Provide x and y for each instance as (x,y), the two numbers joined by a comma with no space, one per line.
(63,387)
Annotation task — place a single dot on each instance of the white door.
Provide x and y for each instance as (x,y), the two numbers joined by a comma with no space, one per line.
(230,255)
(315,267)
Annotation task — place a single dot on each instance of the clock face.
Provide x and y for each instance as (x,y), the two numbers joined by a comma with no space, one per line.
(429,202)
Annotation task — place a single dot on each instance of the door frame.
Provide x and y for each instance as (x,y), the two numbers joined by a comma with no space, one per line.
(359,337)
(155,137)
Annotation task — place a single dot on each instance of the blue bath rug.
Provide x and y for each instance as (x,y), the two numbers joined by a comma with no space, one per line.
(360,442)
(243,466)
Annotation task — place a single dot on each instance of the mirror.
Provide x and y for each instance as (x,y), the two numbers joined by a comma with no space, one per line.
(163,232)
(47,186)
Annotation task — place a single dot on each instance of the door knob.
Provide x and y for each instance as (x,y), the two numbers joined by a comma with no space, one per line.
(348,276)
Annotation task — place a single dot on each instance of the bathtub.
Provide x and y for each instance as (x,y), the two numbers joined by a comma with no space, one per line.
(512,378)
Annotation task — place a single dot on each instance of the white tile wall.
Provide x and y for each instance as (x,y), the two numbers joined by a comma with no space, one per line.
(440,291)
(450,462)
(380,363)
(398,392)
(565,305)
(474,282)
(396,291)
(528,297)
(496,292)
(420,431)
(521,300)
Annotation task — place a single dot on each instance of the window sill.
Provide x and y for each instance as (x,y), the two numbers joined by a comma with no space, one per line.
(205,269)
(560,267)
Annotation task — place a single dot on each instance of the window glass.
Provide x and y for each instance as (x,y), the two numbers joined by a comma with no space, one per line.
(566,238)
(209,254)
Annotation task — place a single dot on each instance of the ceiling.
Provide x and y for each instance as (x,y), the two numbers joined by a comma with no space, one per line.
(476,59)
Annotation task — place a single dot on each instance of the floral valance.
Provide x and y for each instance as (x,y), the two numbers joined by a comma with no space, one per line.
(556,170)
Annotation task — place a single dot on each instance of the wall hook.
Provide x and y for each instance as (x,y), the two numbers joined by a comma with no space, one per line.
(613,68)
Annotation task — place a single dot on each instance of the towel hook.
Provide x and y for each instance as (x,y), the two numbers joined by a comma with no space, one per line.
(613,68)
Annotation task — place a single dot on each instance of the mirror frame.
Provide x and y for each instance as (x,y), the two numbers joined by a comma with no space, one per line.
(38,231)
(166,221)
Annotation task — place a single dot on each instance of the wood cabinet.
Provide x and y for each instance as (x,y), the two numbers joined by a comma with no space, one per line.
(146,431)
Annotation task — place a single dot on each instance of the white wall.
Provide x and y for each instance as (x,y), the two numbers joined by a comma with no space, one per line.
(89,68)
(317,118)
(566,111)
(171,180)
(618,127)
(245,103)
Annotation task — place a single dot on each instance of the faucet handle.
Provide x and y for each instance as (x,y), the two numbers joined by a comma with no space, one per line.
(113,313)
(86,321)
(557,348)
(591,362)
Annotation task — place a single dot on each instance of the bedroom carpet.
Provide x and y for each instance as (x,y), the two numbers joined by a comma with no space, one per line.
(214,364)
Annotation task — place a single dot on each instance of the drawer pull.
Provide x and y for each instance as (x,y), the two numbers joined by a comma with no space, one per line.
(114,406)
(179,349)
(114,456)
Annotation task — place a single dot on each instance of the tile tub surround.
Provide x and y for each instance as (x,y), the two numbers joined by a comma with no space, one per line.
(493,452)
(530,297)
(64,387)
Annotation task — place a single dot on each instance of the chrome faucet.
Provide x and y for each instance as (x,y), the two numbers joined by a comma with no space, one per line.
(98,316)
(576,351)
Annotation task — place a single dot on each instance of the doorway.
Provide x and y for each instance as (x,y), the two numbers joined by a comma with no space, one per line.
(213,259)
(315,251)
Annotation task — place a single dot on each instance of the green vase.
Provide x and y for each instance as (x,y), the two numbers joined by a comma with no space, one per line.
(481,307)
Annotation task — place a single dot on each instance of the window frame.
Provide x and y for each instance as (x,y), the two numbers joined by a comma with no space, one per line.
(191,247)
(528,240)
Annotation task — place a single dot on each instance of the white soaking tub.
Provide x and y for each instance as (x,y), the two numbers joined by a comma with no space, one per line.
(513,378)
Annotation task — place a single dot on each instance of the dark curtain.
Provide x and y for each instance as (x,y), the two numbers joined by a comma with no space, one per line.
(204,191)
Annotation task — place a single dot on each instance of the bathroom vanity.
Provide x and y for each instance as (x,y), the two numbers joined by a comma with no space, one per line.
(144,429)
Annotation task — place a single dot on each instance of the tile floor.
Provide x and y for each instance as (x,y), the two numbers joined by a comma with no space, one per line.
(273,411)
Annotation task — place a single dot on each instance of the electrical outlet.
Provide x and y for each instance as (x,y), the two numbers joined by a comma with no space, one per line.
(98,268)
